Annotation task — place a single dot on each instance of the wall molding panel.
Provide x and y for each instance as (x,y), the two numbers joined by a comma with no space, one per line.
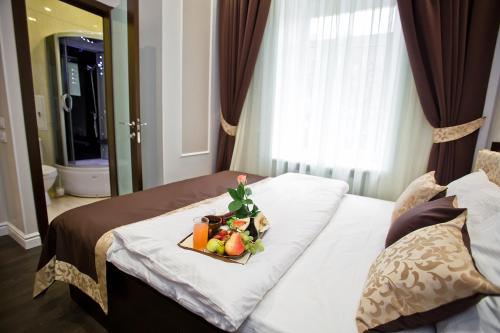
(181,161)
(196,78)
(27,241)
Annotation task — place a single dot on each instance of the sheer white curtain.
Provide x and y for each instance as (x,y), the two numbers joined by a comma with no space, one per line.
(333,95)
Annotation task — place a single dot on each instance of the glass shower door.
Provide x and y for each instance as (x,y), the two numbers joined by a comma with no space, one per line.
(81,97)
(66,101)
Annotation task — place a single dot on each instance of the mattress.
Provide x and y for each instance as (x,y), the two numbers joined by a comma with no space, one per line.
(321,291)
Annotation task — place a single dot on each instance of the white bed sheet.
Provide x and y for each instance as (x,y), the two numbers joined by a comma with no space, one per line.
(321,291)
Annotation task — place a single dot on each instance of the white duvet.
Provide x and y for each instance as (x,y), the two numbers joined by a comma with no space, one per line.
(320,293)
(298,208)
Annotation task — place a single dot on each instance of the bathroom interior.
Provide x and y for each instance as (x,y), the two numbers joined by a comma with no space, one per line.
(67,53)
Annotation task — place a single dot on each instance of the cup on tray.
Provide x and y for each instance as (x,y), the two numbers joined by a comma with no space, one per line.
(200,233)
(214,223)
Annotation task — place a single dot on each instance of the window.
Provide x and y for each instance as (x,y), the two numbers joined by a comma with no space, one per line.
(337,75)
(332,95)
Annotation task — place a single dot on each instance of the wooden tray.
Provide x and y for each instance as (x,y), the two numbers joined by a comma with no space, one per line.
(187,243)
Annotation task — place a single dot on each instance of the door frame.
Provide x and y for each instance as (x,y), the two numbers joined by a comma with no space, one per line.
(134,90)
(19,14)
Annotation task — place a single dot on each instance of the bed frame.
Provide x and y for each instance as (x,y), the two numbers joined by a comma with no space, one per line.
(134,306)
(150,311)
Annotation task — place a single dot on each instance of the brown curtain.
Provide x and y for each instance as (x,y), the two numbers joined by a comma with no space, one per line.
(450,45)
(241,28)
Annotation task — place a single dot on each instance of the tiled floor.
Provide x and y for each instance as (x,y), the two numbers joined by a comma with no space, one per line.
(67,202)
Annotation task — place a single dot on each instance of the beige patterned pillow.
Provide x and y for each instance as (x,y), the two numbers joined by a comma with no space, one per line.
(420,190)
(426,276)
(489,162)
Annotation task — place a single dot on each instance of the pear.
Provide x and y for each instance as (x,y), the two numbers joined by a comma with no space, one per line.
(234,245)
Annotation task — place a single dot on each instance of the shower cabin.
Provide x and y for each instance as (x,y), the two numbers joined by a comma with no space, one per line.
(82,140)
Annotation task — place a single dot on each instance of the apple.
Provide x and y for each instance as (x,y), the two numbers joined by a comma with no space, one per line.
(213,245)
(234,245)
(220,249)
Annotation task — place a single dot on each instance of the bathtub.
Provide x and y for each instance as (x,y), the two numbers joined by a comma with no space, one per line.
(85,181)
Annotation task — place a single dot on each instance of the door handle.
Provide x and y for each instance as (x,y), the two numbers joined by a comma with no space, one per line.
(65,98)
(139,125)
(138,129)
(132,124)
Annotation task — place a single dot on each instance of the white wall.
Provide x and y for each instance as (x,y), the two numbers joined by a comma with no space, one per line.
(495,126)
(493,98)
(196,33)
(111,3)
(18,193)
(3,198)
(176,165)
(4,214)
(150,39)
(490,131)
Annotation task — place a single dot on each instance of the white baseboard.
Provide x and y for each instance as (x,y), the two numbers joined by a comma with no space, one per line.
(27,241)
(4,228)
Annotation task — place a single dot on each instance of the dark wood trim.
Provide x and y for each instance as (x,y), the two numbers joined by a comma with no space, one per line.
(28,102)
(134,89)
(92,6)
(110,113)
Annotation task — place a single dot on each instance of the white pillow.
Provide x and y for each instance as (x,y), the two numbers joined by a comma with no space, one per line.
(476,193)
(465,322)
(423,329)
(485,247)
(481,318)
(482,200)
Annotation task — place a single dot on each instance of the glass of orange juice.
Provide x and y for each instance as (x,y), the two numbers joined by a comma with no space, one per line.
(200,233)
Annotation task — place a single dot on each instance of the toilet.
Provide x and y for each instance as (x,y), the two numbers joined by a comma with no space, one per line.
(49,175)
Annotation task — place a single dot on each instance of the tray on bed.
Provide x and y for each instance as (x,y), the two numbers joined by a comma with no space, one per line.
(187,243)
(261,224)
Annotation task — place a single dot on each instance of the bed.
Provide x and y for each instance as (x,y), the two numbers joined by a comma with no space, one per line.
(320,292)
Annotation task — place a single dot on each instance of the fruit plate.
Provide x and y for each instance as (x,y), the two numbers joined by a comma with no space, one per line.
(187,244)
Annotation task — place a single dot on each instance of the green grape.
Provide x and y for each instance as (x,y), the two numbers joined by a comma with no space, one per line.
(252,246)
(259,246)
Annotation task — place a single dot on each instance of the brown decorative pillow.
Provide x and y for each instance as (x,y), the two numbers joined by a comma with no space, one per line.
(420,190)
(423,215)
(426,276)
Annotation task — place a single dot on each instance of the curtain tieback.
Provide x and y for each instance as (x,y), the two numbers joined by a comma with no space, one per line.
(227,127)
(446,134)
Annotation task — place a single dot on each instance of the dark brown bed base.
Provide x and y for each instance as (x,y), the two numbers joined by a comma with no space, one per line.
(134,306)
